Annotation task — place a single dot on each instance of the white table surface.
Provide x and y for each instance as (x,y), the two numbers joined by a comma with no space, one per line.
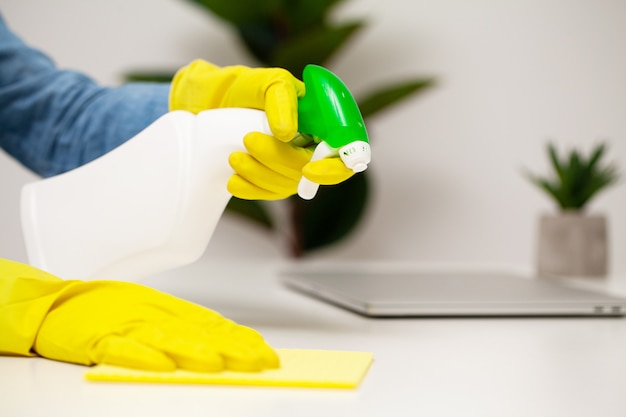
(502,367)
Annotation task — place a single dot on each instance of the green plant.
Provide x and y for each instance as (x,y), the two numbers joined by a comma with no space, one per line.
(291,34)
(576,179)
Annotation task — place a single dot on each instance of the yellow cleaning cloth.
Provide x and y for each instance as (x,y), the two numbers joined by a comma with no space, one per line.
(299,368)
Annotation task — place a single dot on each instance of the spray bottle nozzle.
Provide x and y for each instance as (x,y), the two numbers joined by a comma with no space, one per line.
(329,113)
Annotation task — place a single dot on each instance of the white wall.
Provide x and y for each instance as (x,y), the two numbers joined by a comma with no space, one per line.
(446,172)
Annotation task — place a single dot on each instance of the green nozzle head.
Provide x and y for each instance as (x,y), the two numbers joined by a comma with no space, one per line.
(328,111)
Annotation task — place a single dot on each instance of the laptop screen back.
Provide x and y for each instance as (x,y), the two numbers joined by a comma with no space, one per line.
(414,294)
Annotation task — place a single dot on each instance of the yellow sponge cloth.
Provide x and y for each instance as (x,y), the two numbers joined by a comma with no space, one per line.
(299,368)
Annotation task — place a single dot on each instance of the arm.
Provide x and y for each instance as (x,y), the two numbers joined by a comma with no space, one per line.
(54,120)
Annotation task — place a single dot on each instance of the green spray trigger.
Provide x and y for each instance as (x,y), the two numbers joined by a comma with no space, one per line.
(329,114)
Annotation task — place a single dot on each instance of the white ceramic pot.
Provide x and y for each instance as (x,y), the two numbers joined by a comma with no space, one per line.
(571,243)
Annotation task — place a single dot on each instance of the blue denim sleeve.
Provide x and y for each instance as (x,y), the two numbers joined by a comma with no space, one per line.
(54,120)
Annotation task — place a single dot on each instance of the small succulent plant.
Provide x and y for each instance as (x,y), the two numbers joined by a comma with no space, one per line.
(576,178)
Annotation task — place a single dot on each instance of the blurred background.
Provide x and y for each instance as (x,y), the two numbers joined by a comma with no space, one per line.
(447,183)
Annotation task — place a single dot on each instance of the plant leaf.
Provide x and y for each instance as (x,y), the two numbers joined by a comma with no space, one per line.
(150,76)
(597,182)
(260,39)
(595,157)
(551,189)
(387,96)
(575,179)
(314,47)
(556,163)
(252,210)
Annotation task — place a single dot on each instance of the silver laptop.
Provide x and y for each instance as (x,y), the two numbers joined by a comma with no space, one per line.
(449,294)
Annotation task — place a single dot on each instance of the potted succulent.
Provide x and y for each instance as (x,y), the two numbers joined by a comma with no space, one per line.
(573,242)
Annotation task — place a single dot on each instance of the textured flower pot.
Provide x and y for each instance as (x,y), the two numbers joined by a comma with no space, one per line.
(572,244)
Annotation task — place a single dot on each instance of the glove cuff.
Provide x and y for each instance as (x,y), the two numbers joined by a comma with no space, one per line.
(26,296)
(200,86)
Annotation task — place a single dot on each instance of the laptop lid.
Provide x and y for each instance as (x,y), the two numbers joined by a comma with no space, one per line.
(455,294)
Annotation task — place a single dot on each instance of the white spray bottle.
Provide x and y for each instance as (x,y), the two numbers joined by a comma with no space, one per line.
(147,206)
(153,203)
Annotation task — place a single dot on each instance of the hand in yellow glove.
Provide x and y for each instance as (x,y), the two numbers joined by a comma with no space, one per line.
(201,86)
(271,169)
(119,323)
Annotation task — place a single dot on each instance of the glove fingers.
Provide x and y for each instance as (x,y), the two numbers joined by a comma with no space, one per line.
(208,349)
(329,171)
(248,168)
(196,357)
(240,356)
(268,359)
(201,86)
(243,348)
(274,90)
(120,351)
(185,344)
(281,107)
(242,188)
(281,157)
(261,357)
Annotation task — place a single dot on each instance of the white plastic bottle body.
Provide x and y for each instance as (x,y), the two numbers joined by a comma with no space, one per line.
(149,205)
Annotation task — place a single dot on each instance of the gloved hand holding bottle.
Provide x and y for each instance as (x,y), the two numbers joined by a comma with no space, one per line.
(272,167)
(119,323)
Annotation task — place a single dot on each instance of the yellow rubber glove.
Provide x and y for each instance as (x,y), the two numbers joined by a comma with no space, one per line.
(119,323)
(271,169)
(202,86)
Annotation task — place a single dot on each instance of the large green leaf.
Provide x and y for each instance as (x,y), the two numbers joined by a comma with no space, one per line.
(261,39)
(595,157)
(314,47)
(239,12)
(331,216)
(387,96)
(557,165)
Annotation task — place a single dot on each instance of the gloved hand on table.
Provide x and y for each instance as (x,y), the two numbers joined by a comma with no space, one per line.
(272,167)
(119,323)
